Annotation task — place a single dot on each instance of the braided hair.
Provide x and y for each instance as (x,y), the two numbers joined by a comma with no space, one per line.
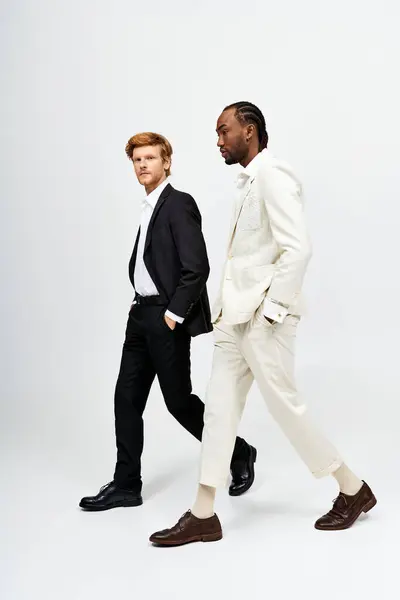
(246,113)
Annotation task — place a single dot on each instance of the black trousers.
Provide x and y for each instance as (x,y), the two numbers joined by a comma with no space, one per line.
(151,348)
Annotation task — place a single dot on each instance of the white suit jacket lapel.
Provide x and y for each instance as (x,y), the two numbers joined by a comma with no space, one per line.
(238,207)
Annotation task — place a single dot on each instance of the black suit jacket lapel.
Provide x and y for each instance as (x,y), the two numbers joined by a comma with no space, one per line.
(132,262)
(164,195)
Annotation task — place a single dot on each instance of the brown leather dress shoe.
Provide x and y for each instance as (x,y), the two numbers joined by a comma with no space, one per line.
(346,510)
(189,529)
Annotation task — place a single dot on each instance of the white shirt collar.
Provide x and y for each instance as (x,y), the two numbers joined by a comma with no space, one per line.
(250,171)
(154,196)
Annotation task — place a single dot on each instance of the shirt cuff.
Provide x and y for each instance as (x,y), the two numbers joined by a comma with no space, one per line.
(274,311)
(175,318)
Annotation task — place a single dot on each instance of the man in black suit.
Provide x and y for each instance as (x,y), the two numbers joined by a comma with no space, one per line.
(168,270)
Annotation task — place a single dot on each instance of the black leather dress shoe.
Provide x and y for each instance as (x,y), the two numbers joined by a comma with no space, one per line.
(111,496)
(243,474)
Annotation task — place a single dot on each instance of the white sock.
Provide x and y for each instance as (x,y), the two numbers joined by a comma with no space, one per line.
(348,482)
(203,507)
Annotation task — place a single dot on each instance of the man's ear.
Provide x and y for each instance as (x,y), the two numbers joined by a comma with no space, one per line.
(250,131)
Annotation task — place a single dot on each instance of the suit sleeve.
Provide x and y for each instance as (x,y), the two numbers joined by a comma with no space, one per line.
(282,197)
(185,222)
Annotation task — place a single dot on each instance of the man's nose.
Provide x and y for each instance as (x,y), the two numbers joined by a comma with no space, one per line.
(219,143)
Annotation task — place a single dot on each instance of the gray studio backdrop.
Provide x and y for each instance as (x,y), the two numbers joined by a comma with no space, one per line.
(78,79)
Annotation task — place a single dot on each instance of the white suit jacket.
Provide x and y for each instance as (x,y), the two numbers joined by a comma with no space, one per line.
(269,247)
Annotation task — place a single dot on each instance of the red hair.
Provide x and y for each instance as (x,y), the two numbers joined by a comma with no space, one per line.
(150,139)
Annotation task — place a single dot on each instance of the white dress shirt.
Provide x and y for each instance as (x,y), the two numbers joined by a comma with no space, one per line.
(272,309)
(144,285)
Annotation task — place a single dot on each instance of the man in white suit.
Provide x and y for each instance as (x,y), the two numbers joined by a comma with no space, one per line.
(255,320)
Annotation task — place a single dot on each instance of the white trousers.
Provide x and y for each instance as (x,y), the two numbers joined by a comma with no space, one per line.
(263,352)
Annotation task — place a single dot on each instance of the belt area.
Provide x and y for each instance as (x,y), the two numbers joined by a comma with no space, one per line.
(149,300)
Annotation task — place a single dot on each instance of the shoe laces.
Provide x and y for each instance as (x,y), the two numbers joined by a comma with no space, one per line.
(103,487)
(182,518)
(339,503)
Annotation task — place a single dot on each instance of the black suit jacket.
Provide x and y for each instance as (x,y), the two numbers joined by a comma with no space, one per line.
(175,256)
